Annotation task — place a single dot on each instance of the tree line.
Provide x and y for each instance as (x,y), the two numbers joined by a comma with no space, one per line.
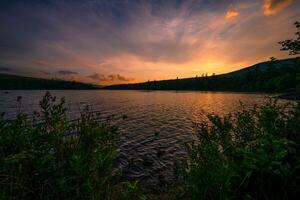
(12,82)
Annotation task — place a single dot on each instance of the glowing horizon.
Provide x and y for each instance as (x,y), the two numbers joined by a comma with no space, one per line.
(110,42)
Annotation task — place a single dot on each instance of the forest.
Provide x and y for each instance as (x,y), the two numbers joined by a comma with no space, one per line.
(13,82)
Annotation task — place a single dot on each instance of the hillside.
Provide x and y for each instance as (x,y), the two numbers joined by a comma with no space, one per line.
(263,66)
(13,82)
(270,76)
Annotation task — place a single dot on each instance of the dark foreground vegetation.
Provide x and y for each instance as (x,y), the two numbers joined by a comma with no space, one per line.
(13,82)
(57,159)
(251,154)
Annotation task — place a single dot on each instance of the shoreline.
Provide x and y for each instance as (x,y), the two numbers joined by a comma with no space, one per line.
(294,96)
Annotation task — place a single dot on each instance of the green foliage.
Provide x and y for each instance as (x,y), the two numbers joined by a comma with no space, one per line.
(130,190)
(56,159)
(252,154)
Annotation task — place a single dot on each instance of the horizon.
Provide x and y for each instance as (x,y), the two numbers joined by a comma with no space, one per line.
(115,42)
(202,75)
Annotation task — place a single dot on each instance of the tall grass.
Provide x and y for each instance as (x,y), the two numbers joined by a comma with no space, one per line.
(251,154)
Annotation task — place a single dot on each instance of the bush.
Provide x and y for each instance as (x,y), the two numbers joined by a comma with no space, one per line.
(252,154)
(56,159)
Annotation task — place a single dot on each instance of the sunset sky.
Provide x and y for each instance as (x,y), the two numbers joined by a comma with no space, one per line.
(122,41)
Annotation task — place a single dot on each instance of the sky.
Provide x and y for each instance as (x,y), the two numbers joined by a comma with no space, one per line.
(108,42)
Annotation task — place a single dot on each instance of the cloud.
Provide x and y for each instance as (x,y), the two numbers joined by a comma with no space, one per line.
(105,28)
(66,72)
(271,7)
(111,77)
(5,69)
(231,13)
(45,73)
(117,77)
(139,38)
(97,77)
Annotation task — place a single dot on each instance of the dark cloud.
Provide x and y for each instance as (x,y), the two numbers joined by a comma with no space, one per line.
(45,72)
(97,77)
(277,3)
(5,69)
(111,77)
(66,72)
(117,77)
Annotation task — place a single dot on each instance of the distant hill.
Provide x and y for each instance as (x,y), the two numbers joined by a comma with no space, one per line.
(13,82)
(270,76)
(263,66)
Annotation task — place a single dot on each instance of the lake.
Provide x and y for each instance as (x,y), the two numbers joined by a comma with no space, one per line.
(156,126)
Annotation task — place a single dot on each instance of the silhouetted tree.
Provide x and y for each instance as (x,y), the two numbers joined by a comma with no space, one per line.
(273,59)
(272,64)
(293,46)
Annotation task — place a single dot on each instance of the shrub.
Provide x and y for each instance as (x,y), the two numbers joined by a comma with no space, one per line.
(252,154)
(56,159)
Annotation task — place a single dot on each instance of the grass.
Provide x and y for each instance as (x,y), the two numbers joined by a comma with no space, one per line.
(251,154)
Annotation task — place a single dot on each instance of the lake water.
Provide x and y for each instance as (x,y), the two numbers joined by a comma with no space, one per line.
(157,126)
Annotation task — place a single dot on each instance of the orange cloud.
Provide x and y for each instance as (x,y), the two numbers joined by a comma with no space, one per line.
(271,7)
(231,13)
